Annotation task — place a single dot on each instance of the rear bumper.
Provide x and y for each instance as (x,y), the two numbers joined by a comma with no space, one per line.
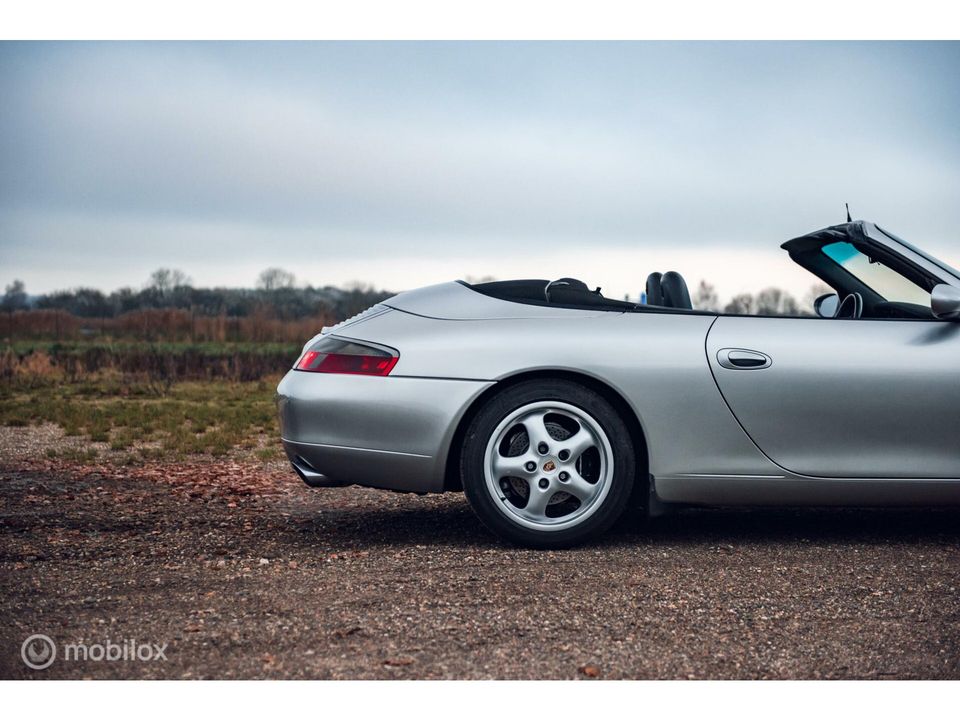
(392,432)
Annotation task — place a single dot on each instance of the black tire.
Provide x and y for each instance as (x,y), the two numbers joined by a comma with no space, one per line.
(510,399)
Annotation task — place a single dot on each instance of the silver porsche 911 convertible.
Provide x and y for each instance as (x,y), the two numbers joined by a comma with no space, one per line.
(554,408)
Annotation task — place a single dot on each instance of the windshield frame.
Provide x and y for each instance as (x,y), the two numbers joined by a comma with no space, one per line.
(886,237)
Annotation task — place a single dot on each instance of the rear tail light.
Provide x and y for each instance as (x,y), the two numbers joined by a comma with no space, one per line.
(347,357)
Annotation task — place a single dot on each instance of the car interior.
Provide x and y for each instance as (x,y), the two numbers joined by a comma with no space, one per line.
(666,292)
(869,281)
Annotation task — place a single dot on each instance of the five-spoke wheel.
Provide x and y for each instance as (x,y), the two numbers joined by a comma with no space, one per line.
(547,463)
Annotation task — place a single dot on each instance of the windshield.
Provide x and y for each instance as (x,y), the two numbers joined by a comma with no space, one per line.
(885,282)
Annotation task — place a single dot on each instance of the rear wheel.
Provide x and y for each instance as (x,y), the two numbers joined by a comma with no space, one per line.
(547,463)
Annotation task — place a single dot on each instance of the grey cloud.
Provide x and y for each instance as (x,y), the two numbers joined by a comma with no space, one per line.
(191,151)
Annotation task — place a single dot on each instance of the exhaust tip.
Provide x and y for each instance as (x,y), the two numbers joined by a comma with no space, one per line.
(311,477)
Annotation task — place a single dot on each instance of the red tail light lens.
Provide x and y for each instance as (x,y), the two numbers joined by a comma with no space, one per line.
(349,357)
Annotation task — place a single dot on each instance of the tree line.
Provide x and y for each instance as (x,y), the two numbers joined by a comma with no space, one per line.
(169,307)
(275,295)
(769,301)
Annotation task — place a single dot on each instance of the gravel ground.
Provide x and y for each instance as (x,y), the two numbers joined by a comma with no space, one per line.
(245,573)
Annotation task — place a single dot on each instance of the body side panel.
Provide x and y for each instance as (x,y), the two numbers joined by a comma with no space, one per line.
(656,362)
(847,398)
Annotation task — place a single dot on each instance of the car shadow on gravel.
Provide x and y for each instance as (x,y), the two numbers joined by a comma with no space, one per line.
(439,521)
(448,521)
(761,525)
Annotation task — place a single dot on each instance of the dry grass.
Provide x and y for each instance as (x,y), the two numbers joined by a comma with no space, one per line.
(135,423)
(157,363)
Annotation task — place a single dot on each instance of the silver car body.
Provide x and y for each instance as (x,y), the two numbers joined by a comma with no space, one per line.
(841,412)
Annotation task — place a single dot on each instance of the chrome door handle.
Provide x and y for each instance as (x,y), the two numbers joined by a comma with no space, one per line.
(740,359)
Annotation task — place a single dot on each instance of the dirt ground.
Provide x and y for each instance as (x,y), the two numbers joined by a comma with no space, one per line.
(245,573)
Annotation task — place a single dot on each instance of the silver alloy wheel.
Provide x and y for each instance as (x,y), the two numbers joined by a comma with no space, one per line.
(548,465)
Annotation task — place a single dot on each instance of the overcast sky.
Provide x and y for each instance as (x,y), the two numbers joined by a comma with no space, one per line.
(411,163)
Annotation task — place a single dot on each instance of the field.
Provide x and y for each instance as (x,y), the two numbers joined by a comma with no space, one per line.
(156,508)
(135,402)
(125,422)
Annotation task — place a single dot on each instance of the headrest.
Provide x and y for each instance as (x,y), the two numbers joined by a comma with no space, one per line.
(675,293)
(654,292)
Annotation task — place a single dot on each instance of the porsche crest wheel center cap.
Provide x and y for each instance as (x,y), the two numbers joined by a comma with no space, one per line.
(549,466)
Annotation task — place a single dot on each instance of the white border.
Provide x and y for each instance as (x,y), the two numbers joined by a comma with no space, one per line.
(460,699)
(506,20)
(476,19)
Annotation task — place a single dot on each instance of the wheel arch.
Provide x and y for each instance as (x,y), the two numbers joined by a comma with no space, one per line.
(452,480)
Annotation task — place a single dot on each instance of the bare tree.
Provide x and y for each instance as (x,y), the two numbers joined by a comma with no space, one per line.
(15,298)
(275,279)
(742,304)
(164,280)
(706,298)
(774,301)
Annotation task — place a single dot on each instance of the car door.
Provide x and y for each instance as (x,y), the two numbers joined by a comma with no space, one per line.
(844,398)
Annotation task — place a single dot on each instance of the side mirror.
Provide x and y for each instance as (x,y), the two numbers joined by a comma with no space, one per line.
(945,302)
(826,305)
